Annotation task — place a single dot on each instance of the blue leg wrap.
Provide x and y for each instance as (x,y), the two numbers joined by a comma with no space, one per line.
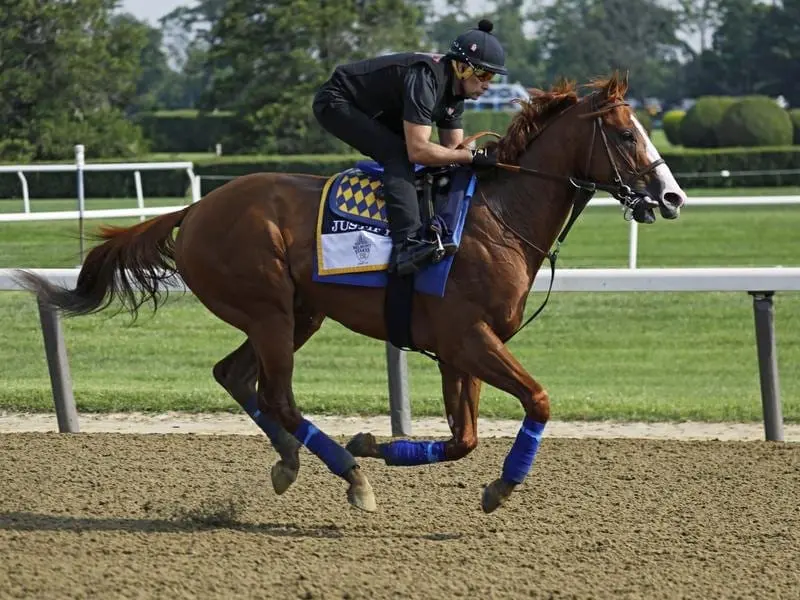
(520,459)
(335,457)
(269,426)
(407,453)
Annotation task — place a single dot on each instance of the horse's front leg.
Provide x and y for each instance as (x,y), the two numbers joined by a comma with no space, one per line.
(461,396)
(482,354)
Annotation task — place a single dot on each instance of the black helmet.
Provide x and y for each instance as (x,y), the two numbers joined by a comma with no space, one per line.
(479,49)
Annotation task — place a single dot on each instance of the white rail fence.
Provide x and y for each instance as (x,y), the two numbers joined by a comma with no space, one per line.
(761,283)
(79,168)
(195,182)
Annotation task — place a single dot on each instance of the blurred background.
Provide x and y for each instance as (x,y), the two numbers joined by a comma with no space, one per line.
(220,82)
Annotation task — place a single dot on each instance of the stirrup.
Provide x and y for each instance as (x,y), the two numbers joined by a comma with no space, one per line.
(440,251)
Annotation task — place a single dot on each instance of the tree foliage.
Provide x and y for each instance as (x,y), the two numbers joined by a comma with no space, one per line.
(584,39)
(80,71)
(268,58)
(68,69)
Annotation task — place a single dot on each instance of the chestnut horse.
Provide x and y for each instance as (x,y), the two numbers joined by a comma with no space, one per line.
(246,251)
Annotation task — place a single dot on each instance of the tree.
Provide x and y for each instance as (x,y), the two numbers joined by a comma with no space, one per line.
(523,54)
(588,38)
(780,39)
(67,71)
(158,85)
(746,52)
(442,30)
(268,58)
(698,19)
(509,17)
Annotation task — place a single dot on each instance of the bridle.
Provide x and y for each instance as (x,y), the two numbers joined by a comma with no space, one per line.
(633,201)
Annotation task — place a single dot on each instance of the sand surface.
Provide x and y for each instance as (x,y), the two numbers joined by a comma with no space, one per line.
(109,515)
(224,424)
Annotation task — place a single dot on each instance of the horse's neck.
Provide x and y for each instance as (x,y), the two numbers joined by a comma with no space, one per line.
(536,207)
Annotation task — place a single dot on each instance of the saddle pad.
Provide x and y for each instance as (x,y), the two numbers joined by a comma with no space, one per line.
(353,247)
(357,196)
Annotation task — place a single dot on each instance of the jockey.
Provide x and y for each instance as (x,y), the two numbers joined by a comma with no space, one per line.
(385,108)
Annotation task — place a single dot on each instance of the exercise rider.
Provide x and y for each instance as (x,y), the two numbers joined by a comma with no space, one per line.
(385,108)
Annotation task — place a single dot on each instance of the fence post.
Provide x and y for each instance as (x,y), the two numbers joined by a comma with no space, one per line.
(399,407)
(633,244)
(137,181)
(57,364)
(26,198)
(195,185)
(768,365)
(79,164)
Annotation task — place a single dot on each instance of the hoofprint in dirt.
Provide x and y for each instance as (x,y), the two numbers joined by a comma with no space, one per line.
(110,515)
(240,424)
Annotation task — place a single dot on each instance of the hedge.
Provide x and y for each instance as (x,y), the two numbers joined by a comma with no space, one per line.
(120,184)
(755,121)
(735,159)
(646,120)
(795,115)
(188,131)
(671,123)
(110,184)
(700,124)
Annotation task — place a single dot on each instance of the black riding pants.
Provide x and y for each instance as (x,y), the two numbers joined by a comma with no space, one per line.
(374,139)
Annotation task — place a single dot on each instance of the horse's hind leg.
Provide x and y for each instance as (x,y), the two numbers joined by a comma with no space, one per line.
(273,341)
(238,373)
(461,396)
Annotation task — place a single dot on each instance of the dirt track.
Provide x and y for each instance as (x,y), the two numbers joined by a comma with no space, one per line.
(154,516)
(240,424)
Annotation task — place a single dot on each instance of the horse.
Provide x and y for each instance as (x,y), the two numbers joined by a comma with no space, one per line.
(246,252)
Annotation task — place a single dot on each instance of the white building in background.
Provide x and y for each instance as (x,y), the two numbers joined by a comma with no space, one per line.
(498,97)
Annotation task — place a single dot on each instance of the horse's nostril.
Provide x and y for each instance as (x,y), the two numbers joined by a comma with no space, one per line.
(673,199)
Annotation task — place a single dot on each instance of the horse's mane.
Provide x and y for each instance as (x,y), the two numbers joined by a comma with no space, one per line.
(543,105)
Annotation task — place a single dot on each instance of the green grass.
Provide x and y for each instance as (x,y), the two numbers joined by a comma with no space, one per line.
(703,236)
(602,356)
(623,356)
(659,139)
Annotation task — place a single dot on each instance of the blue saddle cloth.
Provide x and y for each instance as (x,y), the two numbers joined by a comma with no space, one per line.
(375,168)
(353,240)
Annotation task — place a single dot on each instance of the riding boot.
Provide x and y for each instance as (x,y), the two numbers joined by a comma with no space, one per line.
(410,254)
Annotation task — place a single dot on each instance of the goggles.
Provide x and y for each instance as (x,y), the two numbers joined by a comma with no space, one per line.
(480,74)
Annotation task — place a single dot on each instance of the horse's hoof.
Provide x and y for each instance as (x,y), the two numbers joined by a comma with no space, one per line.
(283,476)
(495,494)
(363,445)
(360,493)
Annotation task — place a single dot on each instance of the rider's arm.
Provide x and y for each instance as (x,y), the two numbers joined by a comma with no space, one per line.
(450,138)
(424,152)
(451,128)
(418,104)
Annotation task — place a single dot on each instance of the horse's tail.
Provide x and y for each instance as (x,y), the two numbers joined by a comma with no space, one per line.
(134,264)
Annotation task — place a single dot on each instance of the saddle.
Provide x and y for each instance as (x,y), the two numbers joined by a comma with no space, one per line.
(433,188)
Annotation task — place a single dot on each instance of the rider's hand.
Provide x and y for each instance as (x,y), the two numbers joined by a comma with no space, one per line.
(481,159)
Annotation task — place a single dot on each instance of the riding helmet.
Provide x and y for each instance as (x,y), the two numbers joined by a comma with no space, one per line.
(479,49)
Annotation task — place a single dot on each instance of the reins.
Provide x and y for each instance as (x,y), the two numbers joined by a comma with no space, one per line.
(584,192)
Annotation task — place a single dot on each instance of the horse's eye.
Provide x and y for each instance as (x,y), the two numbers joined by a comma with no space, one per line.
(628,135)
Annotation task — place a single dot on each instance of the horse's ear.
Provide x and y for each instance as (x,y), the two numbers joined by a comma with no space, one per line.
(623,84)
(616,86)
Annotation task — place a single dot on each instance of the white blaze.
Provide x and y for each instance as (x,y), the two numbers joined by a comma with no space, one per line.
(670,185)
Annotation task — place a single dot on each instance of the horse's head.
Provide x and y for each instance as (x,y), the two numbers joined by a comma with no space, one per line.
(623,159)
(603,143)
